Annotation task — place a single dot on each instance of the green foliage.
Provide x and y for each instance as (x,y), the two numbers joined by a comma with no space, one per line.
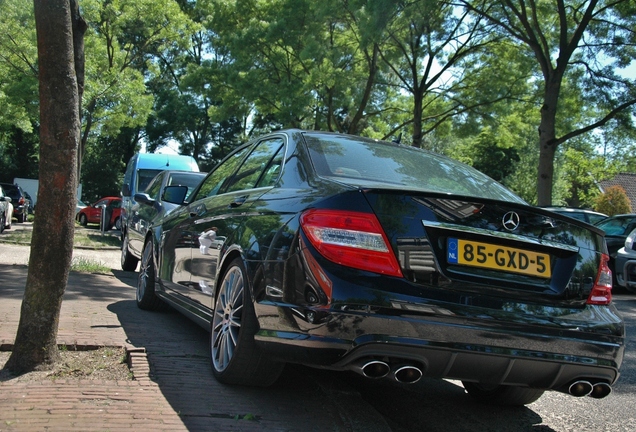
(614,201)
(208,75)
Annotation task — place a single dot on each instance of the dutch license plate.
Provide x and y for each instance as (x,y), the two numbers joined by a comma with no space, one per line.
(486,255)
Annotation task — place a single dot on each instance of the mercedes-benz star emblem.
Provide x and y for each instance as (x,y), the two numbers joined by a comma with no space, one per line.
(510,221)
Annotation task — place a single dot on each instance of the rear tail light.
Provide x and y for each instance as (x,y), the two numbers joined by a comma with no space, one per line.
(602,290)
(352,239)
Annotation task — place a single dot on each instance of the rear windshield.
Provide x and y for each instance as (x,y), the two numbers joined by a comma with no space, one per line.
(363,162)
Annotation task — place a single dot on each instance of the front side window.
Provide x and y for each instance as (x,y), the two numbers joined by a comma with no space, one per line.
(214,182)
(144,177)
(154,187)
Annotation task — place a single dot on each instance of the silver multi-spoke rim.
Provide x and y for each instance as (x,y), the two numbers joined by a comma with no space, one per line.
(226,324)
(144,268)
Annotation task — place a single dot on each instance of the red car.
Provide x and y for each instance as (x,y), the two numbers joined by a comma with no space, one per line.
(92,214)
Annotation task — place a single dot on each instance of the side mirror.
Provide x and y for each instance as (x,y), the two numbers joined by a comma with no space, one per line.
(125,189)
(175,194)
(5,198)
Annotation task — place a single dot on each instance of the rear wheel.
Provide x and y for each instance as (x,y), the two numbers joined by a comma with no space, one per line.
(146,298)
(83,220)
(21,217)
(128,261)
(501,394)
(235,357)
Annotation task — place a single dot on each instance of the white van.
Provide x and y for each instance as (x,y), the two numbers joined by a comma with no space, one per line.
(141,169)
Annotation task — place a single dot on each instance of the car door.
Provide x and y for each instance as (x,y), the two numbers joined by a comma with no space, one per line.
(223,214)
(141,215)
(175,261)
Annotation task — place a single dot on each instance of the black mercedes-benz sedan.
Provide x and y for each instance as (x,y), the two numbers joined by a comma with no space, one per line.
(347,253)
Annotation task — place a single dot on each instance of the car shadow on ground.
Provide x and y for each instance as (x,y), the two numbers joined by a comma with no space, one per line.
(303,398)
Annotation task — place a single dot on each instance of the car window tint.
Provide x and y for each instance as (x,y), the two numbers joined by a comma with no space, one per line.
(365,160)
(185,179)
(615,227)
(255,164)
(155,186)
(115,204)
(215,181)
(271,174)
(144,177)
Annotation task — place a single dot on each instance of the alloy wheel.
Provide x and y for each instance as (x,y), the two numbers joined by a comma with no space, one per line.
(228,314)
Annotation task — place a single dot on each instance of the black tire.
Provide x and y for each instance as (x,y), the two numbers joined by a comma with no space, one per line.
(21,218)
(146,297)
(236,359)
(2,222)
(128,261)
(118,224)
(83,220)
(501,394)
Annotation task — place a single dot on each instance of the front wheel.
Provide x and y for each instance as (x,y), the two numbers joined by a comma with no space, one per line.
(83,220)
(146,297)
(235,357)
(128,261)
(501,394)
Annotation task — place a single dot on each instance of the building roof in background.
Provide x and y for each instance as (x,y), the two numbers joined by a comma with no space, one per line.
(627,181)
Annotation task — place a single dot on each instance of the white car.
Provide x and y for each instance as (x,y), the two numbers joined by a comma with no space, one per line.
(5,203)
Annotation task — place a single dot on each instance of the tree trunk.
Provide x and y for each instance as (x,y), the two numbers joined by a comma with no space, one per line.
(52,242)
(547,140)
(417,119)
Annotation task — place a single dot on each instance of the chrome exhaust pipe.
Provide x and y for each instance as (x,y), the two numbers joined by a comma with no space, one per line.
(600,390)
(580,388)
(374,369)
(407,374)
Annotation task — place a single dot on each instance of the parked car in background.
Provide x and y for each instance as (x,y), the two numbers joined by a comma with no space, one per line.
(78,206)
(142,168)
(6,211)
(589,216)
(626,263)
(616,229)
(353,254)
(30,208)
(18,200)
(92,214)
(149,206)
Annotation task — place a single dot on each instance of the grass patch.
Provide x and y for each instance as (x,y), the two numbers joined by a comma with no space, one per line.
(84,265)
(83,237)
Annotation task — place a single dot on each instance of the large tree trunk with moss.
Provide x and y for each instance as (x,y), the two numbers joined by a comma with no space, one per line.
(52,242)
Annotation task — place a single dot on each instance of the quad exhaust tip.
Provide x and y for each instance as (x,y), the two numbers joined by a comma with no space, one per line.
(407,374)
(601,390)
(585,388)
(375,369)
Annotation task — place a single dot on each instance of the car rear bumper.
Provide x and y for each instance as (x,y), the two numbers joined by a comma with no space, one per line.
(443,347)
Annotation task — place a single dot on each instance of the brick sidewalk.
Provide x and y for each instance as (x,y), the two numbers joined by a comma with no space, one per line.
(173,388)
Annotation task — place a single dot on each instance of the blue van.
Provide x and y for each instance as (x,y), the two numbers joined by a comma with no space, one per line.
(141,169)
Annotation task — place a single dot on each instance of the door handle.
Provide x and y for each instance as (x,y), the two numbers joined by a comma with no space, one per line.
(198,210)
(239,201)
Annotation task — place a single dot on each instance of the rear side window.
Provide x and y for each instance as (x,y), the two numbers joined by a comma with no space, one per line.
(256,165)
